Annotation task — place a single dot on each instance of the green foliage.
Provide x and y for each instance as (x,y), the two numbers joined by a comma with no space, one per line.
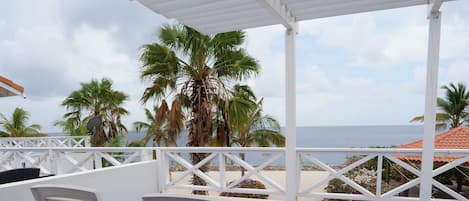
(115,142)
(452,108)
(163,126)
(16,126)
(137,143)
(95,99)
(71,128)
(195,69)
(249,126)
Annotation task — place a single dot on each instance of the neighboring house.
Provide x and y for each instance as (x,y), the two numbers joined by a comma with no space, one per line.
(9,88)
(456,138)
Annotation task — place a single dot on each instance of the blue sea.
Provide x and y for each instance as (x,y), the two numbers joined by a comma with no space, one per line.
(341,136)
(335,137)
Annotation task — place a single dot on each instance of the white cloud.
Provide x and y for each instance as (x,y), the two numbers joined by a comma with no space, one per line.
(315,80)
(270,82)
(68,43)
(458,71)
(52,52)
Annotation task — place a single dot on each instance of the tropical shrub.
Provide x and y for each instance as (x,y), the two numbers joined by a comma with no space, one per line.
(363,177)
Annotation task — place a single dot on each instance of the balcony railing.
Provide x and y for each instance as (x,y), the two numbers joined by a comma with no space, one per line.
(175,168)
(58,141)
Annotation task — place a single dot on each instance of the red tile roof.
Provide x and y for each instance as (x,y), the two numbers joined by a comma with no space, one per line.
(456,138)
(11,84)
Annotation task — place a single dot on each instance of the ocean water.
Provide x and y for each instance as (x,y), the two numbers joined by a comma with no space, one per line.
(340,136)
(332,137)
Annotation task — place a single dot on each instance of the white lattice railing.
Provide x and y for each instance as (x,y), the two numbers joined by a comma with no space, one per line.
(400,158)
(218,158)
(58,141)
(70,160)
(176,168)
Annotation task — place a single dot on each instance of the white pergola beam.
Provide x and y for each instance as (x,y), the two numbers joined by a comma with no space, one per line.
(280,12)
(434,7)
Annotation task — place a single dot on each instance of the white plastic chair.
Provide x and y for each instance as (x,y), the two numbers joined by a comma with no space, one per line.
(64,193)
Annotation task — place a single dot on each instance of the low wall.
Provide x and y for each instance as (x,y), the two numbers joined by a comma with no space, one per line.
(127,182)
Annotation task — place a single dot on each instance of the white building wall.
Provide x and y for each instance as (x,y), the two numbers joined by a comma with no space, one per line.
(122,183)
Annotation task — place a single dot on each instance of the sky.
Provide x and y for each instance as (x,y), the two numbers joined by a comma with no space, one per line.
(361,69)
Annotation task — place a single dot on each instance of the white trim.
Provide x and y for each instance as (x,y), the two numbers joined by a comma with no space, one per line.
(290,115)
(434,7)
(430,105)
(280,11)
(10,89)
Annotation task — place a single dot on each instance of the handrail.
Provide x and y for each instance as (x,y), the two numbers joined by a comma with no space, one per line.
(53,141)
(63,160)
(37,138)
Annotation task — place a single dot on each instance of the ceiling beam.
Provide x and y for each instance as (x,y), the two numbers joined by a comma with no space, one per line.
(434,7)
(280,12)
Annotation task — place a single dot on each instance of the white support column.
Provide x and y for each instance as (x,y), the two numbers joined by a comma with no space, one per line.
(290,106)
(430,104)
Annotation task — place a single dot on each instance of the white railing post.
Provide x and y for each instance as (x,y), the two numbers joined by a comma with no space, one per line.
(430,104)
(69,142)
(49,142)
(290,106)
(221,170)
(379,175)
(162,174)
(146,155)
(87,141)
(98,161)
(53,162)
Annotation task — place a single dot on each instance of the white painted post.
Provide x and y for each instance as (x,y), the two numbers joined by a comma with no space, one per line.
(379,176)
(162,173)
(98,160)
(87,141)
(54,162)
(146,155)
(290,106)
(430,105)
(222,171)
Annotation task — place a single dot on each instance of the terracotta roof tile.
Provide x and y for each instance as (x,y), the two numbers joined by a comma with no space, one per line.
(12,84)
(456,138)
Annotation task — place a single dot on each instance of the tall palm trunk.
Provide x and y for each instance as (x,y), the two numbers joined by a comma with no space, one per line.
(99,137)
(200,129)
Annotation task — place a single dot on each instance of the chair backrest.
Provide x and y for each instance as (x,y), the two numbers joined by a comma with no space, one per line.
(20,174)
(64,192)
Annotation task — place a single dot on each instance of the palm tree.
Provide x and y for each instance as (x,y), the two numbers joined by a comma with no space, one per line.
(259,130)
(190,67)
(16,125)
(96,99)
(158,125)
(250,126)
(453,112)
(69,126)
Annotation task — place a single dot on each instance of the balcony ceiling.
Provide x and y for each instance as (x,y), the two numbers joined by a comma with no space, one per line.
(215,16)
